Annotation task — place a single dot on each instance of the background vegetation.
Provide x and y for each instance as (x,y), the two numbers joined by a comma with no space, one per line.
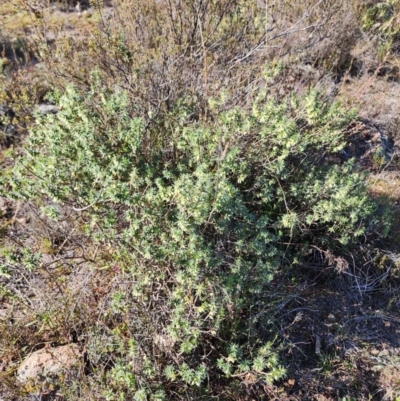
(202,196)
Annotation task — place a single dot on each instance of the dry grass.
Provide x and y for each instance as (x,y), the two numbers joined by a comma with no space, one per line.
(376,98)
(386,185)
(19,21)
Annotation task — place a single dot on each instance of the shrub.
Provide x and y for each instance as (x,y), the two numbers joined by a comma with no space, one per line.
(161,51)
(198,212)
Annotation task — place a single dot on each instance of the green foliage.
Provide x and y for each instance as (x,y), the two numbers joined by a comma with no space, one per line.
(381,16)
(382,19)
(11,258)
(197,210)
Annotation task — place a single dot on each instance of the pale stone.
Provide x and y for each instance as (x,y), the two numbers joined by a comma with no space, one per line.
(46,109)
(331,317)
(49,362)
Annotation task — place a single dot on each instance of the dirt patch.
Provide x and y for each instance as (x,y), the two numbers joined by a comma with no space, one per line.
(334,333)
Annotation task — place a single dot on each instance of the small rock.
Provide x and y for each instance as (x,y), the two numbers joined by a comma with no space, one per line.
(49,362)
(331,317)
(46,109)
(41,66)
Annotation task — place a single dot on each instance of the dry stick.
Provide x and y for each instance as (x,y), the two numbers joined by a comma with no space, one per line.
(65,240)
(369,317)
(288,211)
(264,39)
(317,344)
(15,213)
(205,72)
